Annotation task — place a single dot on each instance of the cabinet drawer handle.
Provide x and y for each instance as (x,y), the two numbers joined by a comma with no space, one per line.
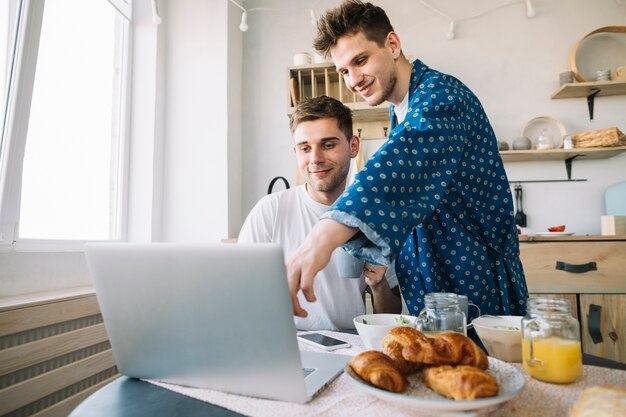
(593,323)
(576,269)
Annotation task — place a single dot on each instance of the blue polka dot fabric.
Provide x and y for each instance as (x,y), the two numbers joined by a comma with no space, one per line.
(435,197)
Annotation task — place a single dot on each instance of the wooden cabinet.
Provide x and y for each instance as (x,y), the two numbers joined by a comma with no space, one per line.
(611,333)
(590,271)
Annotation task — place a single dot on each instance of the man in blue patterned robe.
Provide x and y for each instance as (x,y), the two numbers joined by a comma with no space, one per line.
(435,197)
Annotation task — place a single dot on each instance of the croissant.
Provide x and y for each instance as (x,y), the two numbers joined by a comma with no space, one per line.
(460,382)
(600,401)
(380,370)
(394,343)
(446,349)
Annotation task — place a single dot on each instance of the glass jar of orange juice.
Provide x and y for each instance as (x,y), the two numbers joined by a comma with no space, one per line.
(551,350)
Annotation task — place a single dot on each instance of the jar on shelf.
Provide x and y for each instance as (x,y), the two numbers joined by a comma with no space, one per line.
(441,313)
(568,142)
(545,140)
(551,349)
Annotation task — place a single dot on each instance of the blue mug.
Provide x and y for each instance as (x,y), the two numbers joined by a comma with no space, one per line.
(347,265)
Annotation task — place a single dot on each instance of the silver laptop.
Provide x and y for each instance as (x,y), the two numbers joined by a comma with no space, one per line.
(215,316)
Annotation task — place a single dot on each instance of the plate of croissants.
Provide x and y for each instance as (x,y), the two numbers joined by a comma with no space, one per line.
(446,372)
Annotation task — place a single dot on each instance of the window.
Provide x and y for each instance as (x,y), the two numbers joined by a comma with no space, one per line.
(8,13)
(69,183)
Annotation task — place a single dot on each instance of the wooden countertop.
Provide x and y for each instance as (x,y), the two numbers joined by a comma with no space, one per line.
(585,238)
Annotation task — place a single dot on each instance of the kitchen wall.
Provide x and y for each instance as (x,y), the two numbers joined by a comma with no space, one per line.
(511,62)
(209,111)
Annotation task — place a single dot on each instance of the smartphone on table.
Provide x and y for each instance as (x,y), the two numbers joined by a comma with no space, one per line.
(322,341)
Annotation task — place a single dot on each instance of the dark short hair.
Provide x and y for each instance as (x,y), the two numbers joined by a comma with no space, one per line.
(322,107)
(351,17)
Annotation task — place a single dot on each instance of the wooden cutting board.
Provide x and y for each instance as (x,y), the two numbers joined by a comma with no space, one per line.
(615,199)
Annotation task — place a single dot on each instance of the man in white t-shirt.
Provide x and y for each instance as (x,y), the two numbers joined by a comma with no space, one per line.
(324,147)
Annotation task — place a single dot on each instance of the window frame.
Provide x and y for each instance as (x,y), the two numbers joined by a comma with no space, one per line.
(13,141)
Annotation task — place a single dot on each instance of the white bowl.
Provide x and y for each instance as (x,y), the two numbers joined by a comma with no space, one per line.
(373,327)
(302,58)
(501,335)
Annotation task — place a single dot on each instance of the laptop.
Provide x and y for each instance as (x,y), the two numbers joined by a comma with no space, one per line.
(215,316)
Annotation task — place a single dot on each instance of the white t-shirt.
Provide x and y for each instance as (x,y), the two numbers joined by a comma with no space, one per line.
(401,109)
(286,217)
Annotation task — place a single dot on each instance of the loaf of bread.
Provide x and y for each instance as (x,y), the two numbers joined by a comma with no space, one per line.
(442,349)
(600,401)
(394,343)
(380,370)
(460,382)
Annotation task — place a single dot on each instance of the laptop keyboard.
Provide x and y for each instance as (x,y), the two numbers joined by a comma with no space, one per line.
(308,371)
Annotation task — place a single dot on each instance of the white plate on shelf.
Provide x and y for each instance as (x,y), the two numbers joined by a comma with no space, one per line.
(419,397)
(552,126)
(554,233)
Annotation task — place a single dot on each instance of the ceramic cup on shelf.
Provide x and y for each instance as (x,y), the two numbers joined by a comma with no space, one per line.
(301,58)
(603,75)
(566,77)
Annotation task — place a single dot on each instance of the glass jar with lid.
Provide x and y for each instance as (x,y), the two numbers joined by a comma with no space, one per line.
(545,140)
(441,313)
(551,349)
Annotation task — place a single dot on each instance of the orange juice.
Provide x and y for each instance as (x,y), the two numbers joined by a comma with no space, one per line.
(556,360)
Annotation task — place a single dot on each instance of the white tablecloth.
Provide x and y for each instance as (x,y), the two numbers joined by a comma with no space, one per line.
(344,398)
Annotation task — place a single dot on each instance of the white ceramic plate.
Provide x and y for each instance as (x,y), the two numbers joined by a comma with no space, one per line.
(554,233)
(599,51)
(552,126)
(419,397)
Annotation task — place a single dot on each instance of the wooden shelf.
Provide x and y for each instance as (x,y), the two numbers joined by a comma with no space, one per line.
(604,88)
(561,154)
(315,80)
(591,90)
(566,155)
(363,112)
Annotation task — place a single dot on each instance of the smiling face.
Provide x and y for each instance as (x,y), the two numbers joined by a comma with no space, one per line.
(323,155)
(367,68)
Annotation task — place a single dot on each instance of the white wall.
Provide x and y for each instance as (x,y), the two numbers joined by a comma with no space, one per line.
(195,192)
(185,150)
(185,160)
(511,62)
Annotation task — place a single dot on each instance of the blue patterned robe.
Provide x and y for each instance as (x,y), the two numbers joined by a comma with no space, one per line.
(436,198)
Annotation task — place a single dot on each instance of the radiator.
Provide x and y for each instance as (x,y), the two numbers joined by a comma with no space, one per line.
(53,354)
